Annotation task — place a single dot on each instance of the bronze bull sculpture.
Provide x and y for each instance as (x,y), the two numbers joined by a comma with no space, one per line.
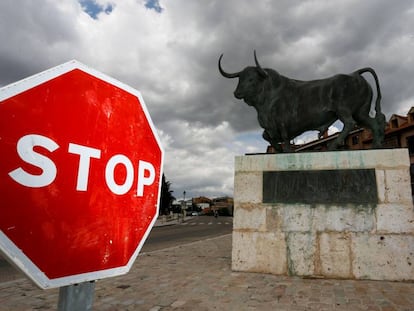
(287,108)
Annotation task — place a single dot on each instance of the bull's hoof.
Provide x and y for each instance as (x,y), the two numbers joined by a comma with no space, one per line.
(332,146)
(378,146)
(335,146)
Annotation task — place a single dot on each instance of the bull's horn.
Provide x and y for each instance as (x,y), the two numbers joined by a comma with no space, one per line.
(225,74)
(261,70)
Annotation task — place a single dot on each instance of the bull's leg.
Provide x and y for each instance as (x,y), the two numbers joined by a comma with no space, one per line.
(266,136)
(286,146)
(272,142)
(380,130)
(321,133)
(323,128)
(376,125)
(286,140)
(349,124)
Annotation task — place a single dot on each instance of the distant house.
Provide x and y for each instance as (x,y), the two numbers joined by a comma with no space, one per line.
(200,200)
(224,205)
(203,204)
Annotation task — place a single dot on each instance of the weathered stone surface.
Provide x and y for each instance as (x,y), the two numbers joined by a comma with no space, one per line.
(395,218)
(378,159)
(273,218)
(380,176)
(346,240)
(383,257)
(335,255)
(301,253)
(297,218)
(248,187)
(259,252)
(250,216)
(306,218)
(348,218)
(249,163)
(397,186)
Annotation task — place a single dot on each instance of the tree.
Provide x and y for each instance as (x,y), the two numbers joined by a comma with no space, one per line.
(166,196)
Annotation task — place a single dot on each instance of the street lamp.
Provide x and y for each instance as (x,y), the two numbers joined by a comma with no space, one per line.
(183,206)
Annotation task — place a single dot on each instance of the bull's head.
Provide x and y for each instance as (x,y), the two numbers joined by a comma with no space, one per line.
(250,81)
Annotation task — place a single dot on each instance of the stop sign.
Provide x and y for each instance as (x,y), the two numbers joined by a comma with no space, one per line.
(80,175)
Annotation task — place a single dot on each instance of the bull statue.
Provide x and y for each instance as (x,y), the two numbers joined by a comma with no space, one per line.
(287,108)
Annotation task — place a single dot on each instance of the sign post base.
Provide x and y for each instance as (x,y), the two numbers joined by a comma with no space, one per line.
(78,297)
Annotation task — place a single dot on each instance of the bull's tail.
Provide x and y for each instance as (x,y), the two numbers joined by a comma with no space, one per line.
(379,128)
(373,73)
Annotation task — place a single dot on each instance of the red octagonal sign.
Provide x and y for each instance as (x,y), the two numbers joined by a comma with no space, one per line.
(80,175)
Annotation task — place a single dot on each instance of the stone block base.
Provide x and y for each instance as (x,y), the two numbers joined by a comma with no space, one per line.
(330,240)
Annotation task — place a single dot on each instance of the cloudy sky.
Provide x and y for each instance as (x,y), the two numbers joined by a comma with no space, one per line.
(168,50)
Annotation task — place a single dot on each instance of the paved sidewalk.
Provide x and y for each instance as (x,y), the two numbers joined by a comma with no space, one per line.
(197,276)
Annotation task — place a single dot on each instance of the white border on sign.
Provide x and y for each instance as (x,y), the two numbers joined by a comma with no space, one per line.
(10,250)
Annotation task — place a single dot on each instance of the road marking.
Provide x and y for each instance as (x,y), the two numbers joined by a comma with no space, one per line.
(203,223)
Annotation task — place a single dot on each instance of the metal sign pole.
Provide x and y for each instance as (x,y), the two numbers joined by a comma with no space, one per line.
(77,297)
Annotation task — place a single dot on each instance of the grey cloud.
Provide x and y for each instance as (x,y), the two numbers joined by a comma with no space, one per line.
(171,57)
(33,36)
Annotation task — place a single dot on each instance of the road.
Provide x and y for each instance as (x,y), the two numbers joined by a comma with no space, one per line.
(194,229)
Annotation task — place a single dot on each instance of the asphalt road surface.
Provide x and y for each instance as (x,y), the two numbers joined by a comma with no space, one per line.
(194,229)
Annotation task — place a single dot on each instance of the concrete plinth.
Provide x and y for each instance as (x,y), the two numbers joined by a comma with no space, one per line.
(363,240)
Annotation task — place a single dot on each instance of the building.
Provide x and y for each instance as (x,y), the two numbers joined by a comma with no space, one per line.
(224,205)
(399,133)
(203,204)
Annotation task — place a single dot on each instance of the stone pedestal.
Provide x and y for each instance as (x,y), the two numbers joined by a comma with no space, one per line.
(332,235)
